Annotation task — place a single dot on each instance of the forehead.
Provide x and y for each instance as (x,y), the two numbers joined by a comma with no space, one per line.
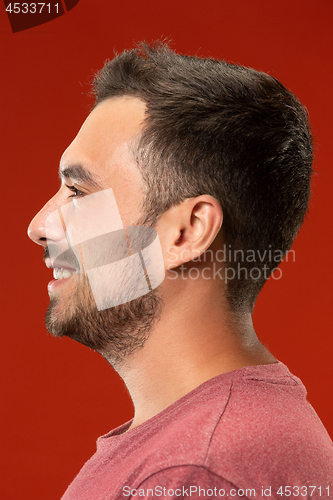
(102,144)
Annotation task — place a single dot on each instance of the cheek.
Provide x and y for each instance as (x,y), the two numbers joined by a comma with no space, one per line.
(168,249)
(129,202)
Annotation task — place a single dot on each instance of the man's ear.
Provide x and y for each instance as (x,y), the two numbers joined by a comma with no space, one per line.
(188,229)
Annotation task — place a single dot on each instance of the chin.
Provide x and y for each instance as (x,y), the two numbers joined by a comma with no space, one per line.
(115,333)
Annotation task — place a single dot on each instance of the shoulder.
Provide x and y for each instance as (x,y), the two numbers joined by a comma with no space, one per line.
(269,434)
(249,427)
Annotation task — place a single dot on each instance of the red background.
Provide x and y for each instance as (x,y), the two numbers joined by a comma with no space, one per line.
(59,396)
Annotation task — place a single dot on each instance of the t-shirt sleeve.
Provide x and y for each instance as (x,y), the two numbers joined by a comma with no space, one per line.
(184,482)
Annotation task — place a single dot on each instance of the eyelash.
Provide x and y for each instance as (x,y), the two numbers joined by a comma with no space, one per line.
(76,192)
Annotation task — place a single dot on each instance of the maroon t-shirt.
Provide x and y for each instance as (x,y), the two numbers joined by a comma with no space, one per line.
(249,433)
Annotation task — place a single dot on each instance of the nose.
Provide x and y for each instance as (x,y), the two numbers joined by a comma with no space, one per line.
(36,229)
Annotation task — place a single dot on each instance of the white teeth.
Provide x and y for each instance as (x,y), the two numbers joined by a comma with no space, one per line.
(59,274)
(66,274)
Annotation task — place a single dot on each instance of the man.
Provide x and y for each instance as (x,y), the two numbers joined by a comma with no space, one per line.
(217,159)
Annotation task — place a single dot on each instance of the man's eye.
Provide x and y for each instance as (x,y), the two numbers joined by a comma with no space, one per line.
(76,192)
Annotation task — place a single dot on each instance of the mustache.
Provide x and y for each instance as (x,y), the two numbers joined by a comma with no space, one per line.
(64,259)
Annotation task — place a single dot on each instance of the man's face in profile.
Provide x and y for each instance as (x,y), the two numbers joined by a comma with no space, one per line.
(98,159)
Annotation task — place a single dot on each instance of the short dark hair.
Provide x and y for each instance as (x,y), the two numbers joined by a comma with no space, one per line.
(225,130)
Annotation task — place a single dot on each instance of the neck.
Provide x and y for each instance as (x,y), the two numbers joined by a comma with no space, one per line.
(195,340)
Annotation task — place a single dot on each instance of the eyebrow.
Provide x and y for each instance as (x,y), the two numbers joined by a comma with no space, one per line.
(78,173)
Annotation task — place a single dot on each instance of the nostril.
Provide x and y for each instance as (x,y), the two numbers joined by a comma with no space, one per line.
(36,234)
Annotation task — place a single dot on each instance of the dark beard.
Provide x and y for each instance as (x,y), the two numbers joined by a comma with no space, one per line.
(115,333)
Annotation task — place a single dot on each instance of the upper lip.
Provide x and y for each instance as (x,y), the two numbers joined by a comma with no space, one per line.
(48,263)
(59,264)
(63,260)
